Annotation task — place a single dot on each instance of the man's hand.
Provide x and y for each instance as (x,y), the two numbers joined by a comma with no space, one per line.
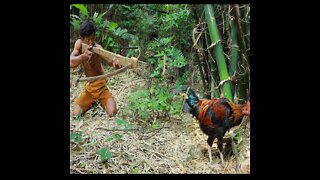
(88,53)
(115,63)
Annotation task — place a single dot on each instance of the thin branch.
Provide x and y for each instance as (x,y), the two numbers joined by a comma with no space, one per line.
(193,36)
(214,44)
(135,129)
(157,130)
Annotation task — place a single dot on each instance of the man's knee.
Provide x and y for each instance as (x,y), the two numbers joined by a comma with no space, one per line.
(112,112)
(78,111)
(111,107)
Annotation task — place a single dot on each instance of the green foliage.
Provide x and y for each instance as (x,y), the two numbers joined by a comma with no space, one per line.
(113,26)
(82,165)
(104,154)
(183,79)
(237,136)
(125,123)
(165,47)
(82,8)
(75,20)
(115,136)
(139,103)
(174,57)
(154,102)
(98,18)
(76,137)
(154,124)
(134,171)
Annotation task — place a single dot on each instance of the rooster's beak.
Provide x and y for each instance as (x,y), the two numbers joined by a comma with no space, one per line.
(183,95)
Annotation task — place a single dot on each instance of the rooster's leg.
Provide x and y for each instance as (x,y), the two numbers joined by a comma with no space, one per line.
(210,156)
(221,156)
(220,143)
(210,142)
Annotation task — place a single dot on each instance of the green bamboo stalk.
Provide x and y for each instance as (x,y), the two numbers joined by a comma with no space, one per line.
(234,49)
(218,51)
(234,52)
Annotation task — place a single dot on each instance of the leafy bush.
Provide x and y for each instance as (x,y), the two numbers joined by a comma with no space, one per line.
(153,103)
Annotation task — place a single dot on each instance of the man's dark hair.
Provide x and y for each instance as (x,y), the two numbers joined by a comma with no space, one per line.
(87,28)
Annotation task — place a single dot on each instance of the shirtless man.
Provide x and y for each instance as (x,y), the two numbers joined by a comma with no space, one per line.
(94,90)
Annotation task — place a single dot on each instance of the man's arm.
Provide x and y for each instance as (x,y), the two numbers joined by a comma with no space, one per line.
(76,58)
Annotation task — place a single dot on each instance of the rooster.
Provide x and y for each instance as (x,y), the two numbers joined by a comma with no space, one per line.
(215,116)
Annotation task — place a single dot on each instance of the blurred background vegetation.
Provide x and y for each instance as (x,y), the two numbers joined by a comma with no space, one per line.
(194,44)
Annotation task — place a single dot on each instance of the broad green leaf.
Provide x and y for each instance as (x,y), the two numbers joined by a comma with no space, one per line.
(78,139)
(108,155)
(102,151)
(82,8)
(74,135)
(104,154)
(113,25)
(99,18)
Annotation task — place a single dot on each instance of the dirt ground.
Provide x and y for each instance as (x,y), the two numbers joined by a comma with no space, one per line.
(174,146)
